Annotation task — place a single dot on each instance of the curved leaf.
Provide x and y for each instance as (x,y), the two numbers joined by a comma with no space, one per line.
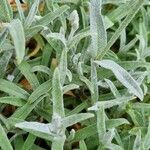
(123,76)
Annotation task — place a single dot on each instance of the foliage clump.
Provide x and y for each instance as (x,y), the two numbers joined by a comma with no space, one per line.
(74,74)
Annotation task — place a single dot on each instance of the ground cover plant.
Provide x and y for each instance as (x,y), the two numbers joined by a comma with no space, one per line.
(74,74)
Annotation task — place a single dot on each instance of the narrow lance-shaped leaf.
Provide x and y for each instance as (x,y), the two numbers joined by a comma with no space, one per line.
(41,68)
(137,142)
(63,66)
(109,135)
(97,28)
(69,87)
(4,141)
(25,110)
(101,126)
(123,76)
(4,60)
(82,145)
(94,81)
(12,89)
(78,37)
(57,94)
(113,88)
(92,129)
(6,13)
(147,138)
(25,69)
(31,16)
(123,25)
(57,36)
(12,101)
(30,32)
(74,19)
(20,10)
(38,129)
(52,15)
(73,119)
(112,146)
(120,12)
(18,37)
(87,82)
(111,103)
(40,90)
(29,142)
(3,36)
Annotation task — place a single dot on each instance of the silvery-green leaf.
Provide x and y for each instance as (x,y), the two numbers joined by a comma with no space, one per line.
(82,145)
(76,39)
(63,66)
(18,37)
(13,89)
(112,146)
(4,60)
(20,10)
(73,119)
(109,135)
(92,129)
(6,13)
(32,13)
(25,110)
(70,87)
(69,75)
(111,103)
(30,32)
(3,36)
(87,82)
(137,142)
(97,28)
(123,76)
(94,82)
(12,101)
(38,129)
(116,2)
(101,124)
(39,91)
(68,1)
(41,68)
(113,88)
(29,142)
(57,36)
(130,15)
(52,15)
(25,69)
(57,94)
(74,19)
(147,138)
(4,141)
(108,22)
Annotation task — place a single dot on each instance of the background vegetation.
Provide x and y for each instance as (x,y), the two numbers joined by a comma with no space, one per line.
(74,74)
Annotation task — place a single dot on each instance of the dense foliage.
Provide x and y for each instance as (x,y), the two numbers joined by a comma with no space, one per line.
(74,74)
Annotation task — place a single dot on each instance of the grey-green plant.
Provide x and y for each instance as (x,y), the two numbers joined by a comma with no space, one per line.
(75,75)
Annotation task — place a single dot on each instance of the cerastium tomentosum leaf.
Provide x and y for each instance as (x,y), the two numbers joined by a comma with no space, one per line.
(123,76)
(47,93)
(17,33)
(97,28)
(4,141)
(6,13)
(124,24)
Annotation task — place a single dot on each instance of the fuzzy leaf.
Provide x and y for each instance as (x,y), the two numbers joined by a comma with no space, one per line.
(18,37)
(123,76)
(4,141)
